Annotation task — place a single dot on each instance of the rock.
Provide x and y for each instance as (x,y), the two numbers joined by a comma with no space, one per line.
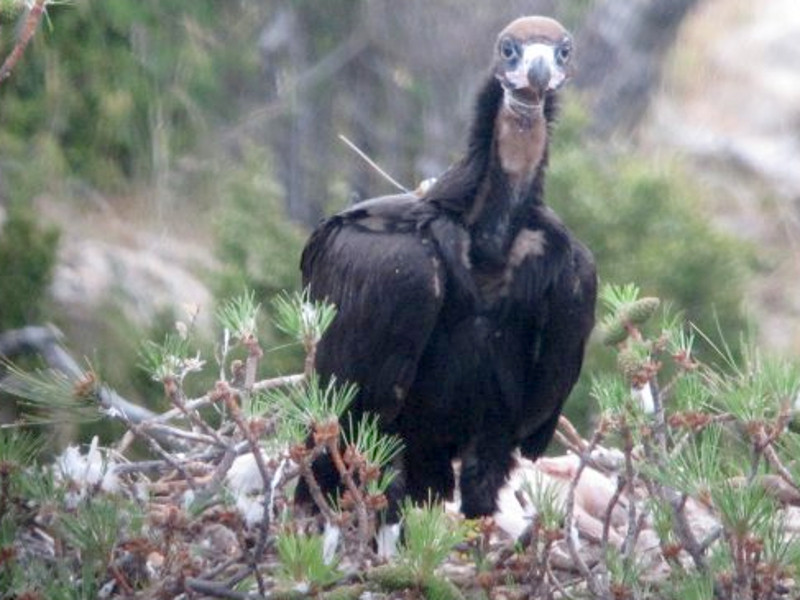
(140,281)
(730,104)
(107,259)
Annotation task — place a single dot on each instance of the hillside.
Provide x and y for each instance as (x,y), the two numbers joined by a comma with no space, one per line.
(730,107)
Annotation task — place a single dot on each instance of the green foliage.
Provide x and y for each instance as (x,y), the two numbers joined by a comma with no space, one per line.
(692,586)
(377,448)
(366,437)
(429,537)
(301,318)
(308,404)
(258,246)
(699,468)
(10,10)
(94,531)
(302,560)
(715,442)
(17,449)
(756,388)
(49,396)
(625,573)
(113,87)
(613,397)
(743,509)
(27,259)
(172,359)
(625,309)
(547,498)
(645,223)
(239,316)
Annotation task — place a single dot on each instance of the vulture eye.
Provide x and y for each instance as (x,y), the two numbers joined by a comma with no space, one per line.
(563,53)
(509,49)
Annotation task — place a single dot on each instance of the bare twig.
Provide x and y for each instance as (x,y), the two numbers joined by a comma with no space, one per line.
(205,400)
(166,430)
(572,434)
(155,447)
(29,28)
(595,587)
(254,354)
(315,491)
(634,524)
(373,164)
(178,399)
(557,583)
(566,442)
(358,498)
(218,590)
(612,503)
(774,460)
(286,380)
(236,414)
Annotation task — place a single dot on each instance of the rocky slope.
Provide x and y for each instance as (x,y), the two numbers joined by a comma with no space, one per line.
(730,104)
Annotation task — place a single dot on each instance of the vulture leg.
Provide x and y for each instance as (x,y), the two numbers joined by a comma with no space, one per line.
(484,470)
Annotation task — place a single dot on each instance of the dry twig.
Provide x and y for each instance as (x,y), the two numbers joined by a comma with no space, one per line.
(28,30)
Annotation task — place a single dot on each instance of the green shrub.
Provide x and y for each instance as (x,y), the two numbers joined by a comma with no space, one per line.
(27,259)
(119,87)
(644,222)
(258,246)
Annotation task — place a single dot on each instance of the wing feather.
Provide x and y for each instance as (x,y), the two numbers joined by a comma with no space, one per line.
(387,283)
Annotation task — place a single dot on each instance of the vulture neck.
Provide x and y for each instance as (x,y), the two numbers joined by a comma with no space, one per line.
(503,170)
(520,140)
(508,147)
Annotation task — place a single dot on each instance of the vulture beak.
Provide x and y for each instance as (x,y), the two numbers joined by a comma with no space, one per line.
(539,72)
(533,59)
(534,73)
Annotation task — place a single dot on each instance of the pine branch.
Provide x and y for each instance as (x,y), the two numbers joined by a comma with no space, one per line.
(28,30)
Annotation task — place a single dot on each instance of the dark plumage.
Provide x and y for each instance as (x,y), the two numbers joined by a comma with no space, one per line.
(463,312)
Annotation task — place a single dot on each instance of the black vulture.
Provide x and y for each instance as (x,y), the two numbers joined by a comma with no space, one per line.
(463,311)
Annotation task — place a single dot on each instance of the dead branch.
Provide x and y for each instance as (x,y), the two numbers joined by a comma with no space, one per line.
(28,30)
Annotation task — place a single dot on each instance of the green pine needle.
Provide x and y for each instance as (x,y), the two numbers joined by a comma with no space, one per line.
(48,396)
(698,468)
(94,531)
(302,560)
(743,509)
(693,586)
(690,392)
(430,535)
(612,395)
(615,297)
(171,359)
(309,403)
(19,448)
(380,485)
(366,437)
(301,318)
(757,388)
(546,497)
(239,316)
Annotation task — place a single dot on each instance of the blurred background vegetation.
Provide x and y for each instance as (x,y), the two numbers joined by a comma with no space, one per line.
(156,153)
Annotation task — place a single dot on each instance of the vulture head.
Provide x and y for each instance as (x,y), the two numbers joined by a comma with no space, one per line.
(532,59)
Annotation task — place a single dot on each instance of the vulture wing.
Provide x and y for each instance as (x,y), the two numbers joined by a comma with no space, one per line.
(563,339)
(376,265)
